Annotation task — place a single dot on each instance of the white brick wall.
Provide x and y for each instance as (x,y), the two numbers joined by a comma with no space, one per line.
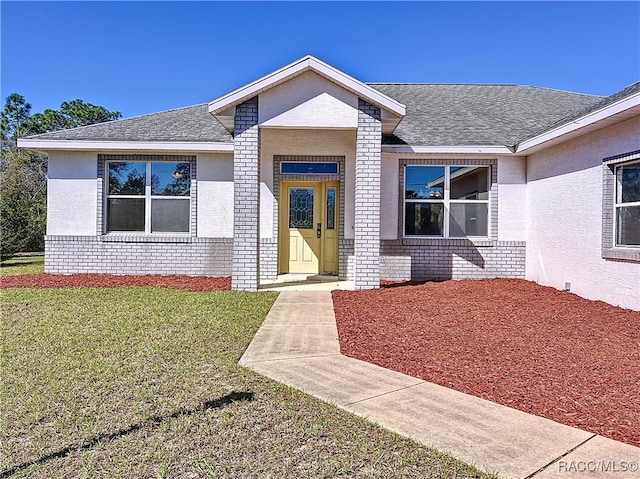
(458,258)
(367,197)
(246,178)
(137,255)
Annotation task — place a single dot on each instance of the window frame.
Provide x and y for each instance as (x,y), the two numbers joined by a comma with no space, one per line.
(617,205)
(148,197)
(446,201)
(610,251)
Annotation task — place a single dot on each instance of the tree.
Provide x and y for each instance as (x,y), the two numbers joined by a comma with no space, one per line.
(23,197)
(70,115)
(14,120)
(23,183)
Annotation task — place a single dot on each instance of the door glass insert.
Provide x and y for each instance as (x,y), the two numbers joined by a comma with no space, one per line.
(301,208)
(331,208)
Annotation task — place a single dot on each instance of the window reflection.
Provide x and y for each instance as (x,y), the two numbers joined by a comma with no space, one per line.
(170,179)
(127,178)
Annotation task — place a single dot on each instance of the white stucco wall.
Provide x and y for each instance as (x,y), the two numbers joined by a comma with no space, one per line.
(389,197)
(308,101)
(564,222)
(305,142)
(512,188)
(215,195)
(72,194)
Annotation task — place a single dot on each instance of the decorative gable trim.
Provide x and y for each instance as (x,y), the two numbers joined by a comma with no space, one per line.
(224,105)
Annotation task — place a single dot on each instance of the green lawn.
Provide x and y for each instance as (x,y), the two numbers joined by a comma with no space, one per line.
(144,382)
(22,265)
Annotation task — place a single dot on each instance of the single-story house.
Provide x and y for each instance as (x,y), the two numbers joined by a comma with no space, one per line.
(310,170)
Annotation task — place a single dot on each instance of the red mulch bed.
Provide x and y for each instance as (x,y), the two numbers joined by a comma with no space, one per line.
(514,342)
(189,283)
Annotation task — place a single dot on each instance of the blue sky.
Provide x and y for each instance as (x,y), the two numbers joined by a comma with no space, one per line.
(143,57)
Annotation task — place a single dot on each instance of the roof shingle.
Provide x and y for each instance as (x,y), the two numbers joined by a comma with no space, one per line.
(462,115)
(436,115)
(601,103)
(192,123)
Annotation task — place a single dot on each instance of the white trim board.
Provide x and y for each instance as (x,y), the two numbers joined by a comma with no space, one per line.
(471,149)
(89,145)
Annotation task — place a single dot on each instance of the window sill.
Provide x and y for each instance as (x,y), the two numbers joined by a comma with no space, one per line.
(434,241)
(622,254)
(142,238)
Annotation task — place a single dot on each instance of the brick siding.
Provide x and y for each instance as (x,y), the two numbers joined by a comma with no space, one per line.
(367,197)
(124,254)
(246,179)
(455,259)
(268,259)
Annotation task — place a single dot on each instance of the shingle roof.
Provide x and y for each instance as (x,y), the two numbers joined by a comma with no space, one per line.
(601,103)
(192,123)
(436,115)
(451,115)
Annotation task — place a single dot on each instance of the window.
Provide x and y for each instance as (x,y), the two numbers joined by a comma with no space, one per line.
(148,197)
(446,201)
(331,208)
(309,168)
(627,205)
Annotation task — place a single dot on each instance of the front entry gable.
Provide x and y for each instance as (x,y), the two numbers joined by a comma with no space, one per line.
(308,101)
(298,92)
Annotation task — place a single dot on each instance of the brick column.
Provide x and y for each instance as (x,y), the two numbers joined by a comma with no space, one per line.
(245,272)
(367,189)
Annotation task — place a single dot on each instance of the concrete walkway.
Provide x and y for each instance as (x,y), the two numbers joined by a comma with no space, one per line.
(298,345)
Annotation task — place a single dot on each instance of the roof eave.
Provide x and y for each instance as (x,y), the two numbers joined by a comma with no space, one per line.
(43,145)
(450,150)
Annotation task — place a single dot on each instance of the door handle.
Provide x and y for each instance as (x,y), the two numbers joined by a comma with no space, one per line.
(319,230)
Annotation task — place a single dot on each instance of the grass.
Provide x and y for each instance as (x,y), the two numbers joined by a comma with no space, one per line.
(22,265)
(144,382)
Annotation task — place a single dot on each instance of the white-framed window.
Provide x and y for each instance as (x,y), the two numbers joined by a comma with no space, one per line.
(627,205)
(148,197)
(446,201)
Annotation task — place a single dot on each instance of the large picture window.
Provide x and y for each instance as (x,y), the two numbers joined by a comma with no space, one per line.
(446,201)
(627,205)
(148,197)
